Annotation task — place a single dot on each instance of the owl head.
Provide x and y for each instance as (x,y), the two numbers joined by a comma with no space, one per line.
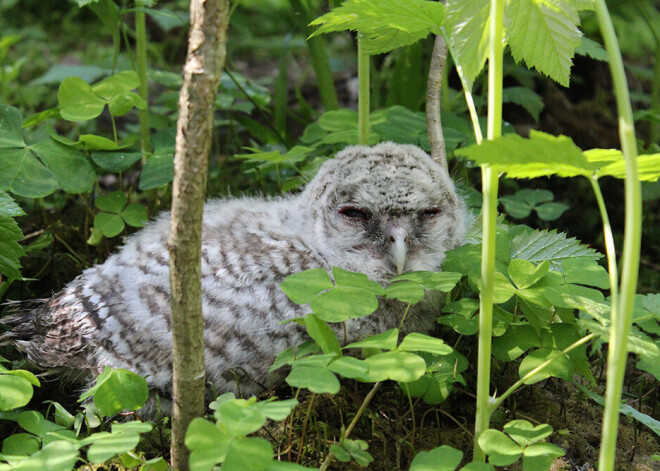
(383,210)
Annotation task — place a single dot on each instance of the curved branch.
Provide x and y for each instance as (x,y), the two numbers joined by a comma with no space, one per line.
(433,89)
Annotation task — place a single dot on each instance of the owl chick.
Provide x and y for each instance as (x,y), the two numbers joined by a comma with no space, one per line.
(376,210)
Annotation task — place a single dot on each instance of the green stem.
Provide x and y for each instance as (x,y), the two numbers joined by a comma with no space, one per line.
(495,403)
(621,323)
(489,188)
(363,100)
(351,426)
(141,53)
(609,244)
(318,56)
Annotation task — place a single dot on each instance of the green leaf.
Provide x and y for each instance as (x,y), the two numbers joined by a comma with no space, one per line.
(406,291)
(356,280)
(349,367)
(591,48)
(112,86)
(442,458)
(416,342)
(340,453)
(538,246)
(538,156)
(133,426)
(115,162)
(551,211)
(648,168)
(109,445)
(544,34)
(157,171)
(35,423)
(124,102)
(395,365)
(20,444)
(239,418)
(585,271)
(322,334)
(117,390)
(385,341)
(317,380)
(525,97)
(524,433)
(461,324)
(14,392)
(540,456)
(561,367)
(385,24)
(70,166)
(516,207)
(501,450)
(342,303)
(57,455)
(94,142)
(432,280)
(24,175)
(524,273)
(515,341)
(302,288)
(249,454)
(77,100)
(26,375)
(208,444)
(135,215)
(467,25)
(276,410)
(112,202)
(10,233)
(11,127)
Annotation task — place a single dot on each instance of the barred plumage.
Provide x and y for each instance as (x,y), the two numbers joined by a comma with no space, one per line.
(377,210)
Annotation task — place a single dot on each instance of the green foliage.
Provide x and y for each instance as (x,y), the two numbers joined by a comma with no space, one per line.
(445,458)
(10,233)
(524,201)
(384,24)
(521,439)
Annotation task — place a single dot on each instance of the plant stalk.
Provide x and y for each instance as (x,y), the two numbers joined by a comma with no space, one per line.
(141,54)
(622,321)
(433,105)
(364,90)
(490,189)
(609,244)
(351,426)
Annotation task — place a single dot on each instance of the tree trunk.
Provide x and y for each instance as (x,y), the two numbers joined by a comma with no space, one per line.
(201,76)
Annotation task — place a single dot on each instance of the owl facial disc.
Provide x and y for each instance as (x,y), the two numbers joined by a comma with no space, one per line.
(398,236)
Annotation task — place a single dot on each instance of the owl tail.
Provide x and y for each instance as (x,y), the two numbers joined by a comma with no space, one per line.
(36,331)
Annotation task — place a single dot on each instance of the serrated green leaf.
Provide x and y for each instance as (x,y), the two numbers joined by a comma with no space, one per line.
(70,166)
(591,48)
(648,168)
(10,233)
(524,273)
(303,287)
(544,34)
(538,246)
(467,25)
(540,155)
(384,24)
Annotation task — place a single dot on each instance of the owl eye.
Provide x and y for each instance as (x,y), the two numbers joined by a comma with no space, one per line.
(430,212)
(355,213)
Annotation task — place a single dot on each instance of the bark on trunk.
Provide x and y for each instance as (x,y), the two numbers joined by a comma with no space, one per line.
(201,76)
(433,89)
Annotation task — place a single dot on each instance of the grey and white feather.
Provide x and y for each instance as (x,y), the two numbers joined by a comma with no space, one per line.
(377,210)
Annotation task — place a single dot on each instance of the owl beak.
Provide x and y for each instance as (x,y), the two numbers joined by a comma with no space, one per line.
(399,239)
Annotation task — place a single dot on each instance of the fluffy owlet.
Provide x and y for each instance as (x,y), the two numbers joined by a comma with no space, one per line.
(377,210)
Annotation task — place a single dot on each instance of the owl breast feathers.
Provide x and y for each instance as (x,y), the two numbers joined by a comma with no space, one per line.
(377,210)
